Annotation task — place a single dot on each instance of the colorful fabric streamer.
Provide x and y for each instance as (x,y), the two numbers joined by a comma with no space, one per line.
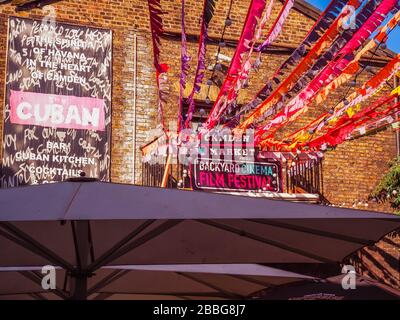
(253,15)
(268,97)
(208,12)
(156,27)
(348,124)
(245,57)
(185,58)
(369,89)
(300,103)
(246,64)
(277,26)
(353,67)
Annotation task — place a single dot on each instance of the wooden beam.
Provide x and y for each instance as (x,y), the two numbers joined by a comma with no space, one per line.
(29,5)
(275,49)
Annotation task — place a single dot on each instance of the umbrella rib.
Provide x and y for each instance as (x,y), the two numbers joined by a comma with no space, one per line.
(65,282)
(77,255)
(266,241)
(115,275)
(176,294)
(123,241)
(32,243)
(76,243)
(103,296)
(92,255)
(325,234)
(107,258)
(33,276)
(37,296)
(210,285)
(254,281)
(72,200)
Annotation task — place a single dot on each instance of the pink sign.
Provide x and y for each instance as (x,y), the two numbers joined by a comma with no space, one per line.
(57,111)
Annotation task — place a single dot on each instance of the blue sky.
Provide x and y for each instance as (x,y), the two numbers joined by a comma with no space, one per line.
(394,37)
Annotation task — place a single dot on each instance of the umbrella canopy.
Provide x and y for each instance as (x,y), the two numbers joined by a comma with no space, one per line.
(331,289)
(83,226)
(163,282)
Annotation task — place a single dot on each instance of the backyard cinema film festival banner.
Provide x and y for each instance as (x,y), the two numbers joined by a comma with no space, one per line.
(57,113)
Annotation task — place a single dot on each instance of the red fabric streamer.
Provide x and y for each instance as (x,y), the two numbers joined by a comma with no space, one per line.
(156,27)
(208,12)
(289,82)
(254,13)
(347,125)
(184,67)
(300,103)
(277,26)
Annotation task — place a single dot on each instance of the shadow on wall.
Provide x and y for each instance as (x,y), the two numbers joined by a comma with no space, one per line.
(381,261)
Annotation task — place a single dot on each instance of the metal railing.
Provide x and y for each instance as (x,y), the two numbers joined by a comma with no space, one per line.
(298,176)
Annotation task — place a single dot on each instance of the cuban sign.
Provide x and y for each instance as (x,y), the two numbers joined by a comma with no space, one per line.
(57,113)
(225,175)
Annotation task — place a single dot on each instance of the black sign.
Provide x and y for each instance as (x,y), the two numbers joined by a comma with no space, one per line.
(57,119)
(225,175)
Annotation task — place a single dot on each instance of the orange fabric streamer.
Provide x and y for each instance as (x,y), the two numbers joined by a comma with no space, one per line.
(307,62)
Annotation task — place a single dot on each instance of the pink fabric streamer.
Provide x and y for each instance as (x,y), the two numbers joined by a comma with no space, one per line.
(184,67)
(254,13)
(208,12)
(330,71)
(246,64)
(156,27)
(277,27)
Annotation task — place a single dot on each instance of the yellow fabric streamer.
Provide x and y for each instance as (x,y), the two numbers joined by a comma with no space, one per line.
(303,137)
(350,112)
(333,120)
(395,91)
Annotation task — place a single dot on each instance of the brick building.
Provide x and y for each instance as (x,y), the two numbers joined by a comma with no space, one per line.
(350,172)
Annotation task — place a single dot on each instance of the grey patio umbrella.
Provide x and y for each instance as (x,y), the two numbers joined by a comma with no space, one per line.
(164,282)
(83,226)
(331,289)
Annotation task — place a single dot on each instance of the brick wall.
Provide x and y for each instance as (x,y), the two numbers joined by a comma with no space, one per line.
(350,172)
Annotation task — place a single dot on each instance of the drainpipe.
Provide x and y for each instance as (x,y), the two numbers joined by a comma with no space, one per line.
(396,83)
(134,104)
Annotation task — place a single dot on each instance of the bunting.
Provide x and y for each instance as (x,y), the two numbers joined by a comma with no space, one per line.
(253,15)
(348,124)
(299,104)
(245,57)
(156,27)
(369,89)
(208,13)
(328,57)
(268,97)
(277,26)
(184,66)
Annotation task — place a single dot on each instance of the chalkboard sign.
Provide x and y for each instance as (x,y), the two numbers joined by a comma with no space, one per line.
(57,114)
